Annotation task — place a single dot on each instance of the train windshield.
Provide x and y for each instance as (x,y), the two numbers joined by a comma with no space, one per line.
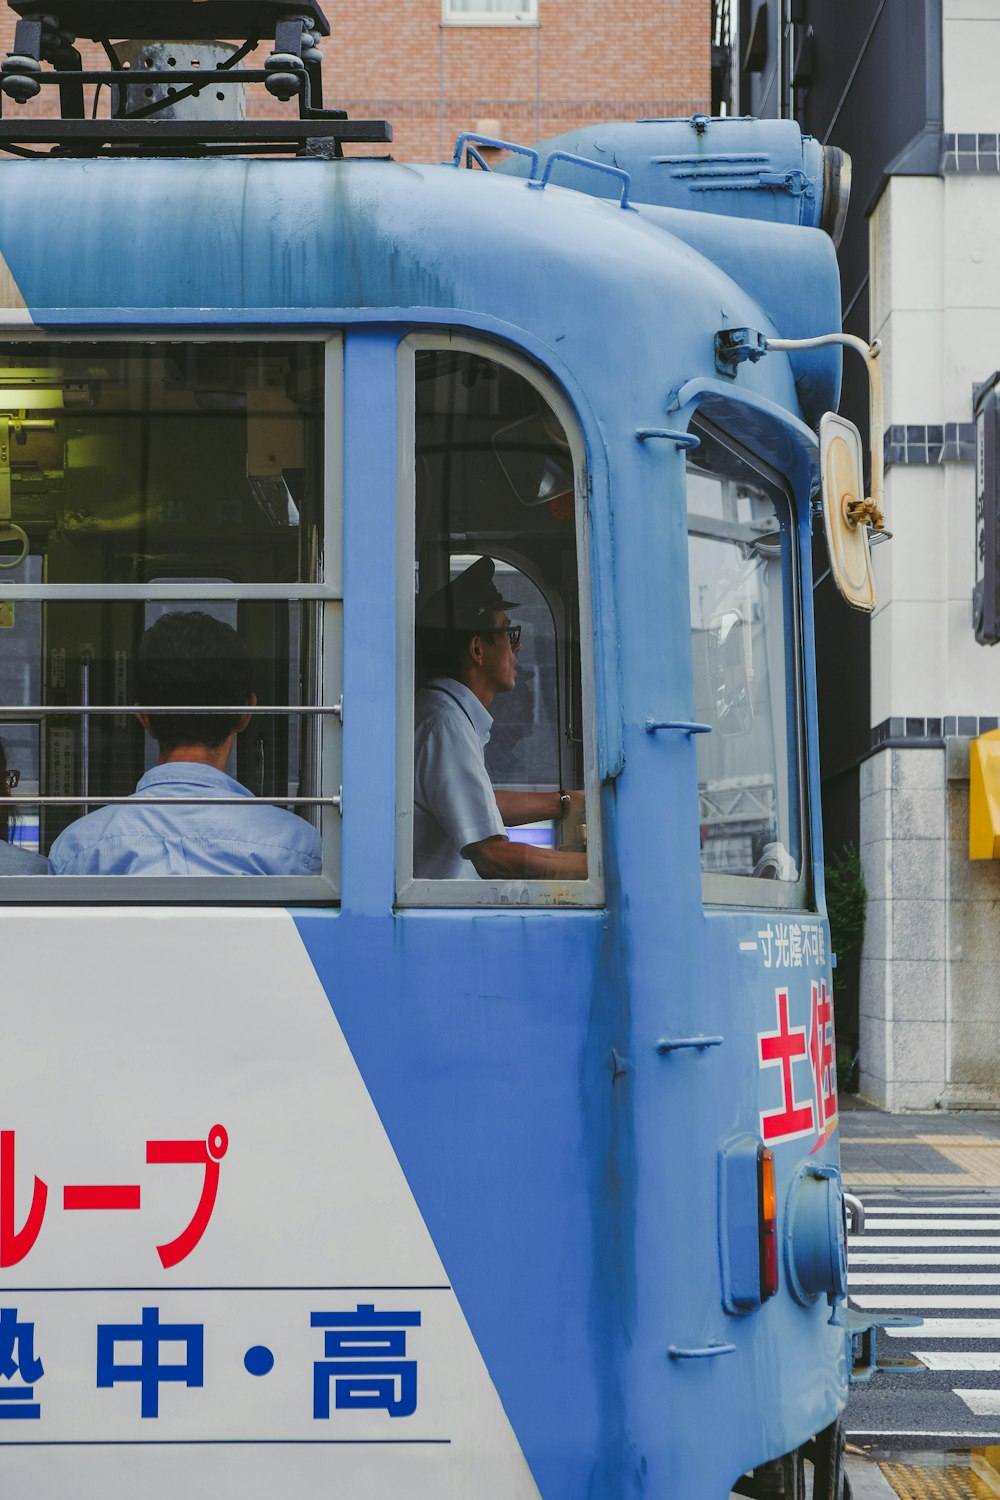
(744,643)
(496,698)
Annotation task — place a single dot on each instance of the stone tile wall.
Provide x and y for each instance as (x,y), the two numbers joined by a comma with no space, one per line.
(930,964)
(903,1017)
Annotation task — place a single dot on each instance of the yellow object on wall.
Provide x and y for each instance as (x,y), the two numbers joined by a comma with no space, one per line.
(984,796)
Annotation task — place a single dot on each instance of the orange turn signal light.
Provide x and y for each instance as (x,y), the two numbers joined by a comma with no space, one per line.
(768,1221)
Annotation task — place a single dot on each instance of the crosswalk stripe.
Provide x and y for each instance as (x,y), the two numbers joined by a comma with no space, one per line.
(933,1224)
(973,1197)
(965,1208)
(949,1328)
(904,1258)
(917,1241)
(981,1437)
(954,1359)
(981,1403)
(921,1278)
(915,1300)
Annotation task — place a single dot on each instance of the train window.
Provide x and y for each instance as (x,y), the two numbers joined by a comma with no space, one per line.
(497,783)
(744,642)
(140,481)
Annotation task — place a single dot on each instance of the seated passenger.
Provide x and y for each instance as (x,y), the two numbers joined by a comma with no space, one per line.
(190,658)
(459,820)
(14,861)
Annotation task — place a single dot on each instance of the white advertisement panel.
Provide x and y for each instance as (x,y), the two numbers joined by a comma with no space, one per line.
(212,1270)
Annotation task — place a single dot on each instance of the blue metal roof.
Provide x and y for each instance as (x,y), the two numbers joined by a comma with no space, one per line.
(599,288)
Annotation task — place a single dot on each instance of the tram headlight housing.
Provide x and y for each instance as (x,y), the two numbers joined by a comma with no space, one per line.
(816,1258)
(836,191)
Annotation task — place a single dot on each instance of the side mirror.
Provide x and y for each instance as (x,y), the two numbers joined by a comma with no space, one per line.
(845,511)
(730,671)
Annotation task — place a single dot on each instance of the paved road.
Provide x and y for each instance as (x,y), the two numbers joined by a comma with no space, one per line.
(933,1253)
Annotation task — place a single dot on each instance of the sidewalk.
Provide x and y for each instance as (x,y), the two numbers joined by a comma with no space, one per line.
(867,1480)
(918,1150)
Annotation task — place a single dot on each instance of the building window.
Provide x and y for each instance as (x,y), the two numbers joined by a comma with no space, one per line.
(489,12)
(745,656)
(497,800)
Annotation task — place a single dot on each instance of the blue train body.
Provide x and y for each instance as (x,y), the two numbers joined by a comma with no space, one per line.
(566,1166)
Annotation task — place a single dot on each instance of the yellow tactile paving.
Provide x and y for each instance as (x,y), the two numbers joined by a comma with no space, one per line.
(979,1165)
(940,1142)
(976,1156)
(915,1482)
(863,1179)
(969,1142)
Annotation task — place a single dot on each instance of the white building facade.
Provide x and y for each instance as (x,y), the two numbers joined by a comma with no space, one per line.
(930,970)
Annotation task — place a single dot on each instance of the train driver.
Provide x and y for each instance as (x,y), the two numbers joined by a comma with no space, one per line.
(189,658)
(460,821)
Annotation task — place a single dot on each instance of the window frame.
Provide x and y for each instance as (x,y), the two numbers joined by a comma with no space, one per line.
(747,891)
(520,894)
(526,15)
(326,647)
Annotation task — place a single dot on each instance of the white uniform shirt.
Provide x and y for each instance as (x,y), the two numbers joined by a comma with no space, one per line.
(454,804)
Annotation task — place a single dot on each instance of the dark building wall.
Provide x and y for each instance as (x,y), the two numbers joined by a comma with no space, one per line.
(864,75)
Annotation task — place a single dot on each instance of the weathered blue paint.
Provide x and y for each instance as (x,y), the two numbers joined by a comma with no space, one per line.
(753,169)
(567,1169)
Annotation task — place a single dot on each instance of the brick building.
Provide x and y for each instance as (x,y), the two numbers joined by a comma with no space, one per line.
(437,67)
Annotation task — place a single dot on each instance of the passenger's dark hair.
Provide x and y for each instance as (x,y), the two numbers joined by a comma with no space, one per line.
(7,817)
(187,657)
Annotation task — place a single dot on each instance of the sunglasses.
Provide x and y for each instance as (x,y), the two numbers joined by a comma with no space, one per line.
(513,634)
(11,779)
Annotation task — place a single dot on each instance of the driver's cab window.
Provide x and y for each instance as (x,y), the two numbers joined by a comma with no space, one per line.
(745,655)
(497,789)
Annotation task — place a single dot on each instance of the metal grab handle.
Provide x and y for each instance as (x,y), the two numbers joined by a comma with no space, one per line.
(685,726)
(682,440)
(708,1352)
(86,660)
(674,1044)
(855,1210)
(134,801)
(53,710)
(469,138)
(594,166)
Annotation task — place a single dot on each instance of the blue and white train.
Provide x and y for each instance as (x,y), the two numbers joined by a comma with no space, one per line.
(361,1183)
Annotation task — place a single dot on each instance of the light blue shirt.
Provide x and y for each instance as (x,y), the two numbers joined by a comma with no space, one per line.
(454,804)
(252,839)
(15,861)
